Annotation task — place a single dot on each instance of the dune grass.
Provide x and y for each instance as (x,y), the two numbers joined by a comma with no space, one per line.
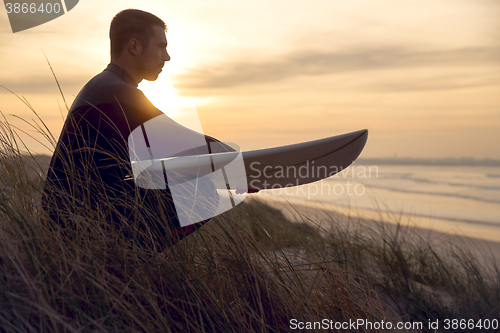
(234,275)
(422,275)
(249,270)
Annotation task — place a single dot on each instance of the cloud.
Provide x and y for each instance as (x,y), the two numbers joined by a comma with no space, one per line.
(439,82)
(41,85)
(239,73)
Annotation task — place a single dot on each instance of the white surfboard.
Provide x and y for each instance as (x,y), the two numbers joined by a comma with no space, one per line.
(278,167)
(302,163)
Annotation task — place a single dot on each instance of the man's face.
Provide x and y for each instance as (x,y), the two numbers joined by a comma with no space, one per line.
(154,56)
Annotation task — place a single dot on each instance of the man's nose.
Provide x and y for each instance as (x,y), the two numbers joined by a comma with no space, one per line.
(166,56)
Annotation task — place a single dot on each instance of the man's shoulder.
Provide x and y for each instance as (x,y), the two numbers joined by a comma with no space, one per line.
(108,88)
(109,94)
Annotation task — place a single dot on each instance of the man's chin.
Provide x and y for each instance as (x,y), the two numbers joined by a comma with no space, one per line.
(152,77)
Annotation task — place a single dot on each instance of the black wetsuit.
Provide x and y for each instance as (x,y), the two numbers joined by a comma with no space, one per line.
(90,166)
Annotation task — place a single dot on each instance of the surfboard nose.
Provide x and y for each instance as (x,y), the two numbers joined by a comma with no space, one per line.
(363,132)
(357,145)
(363,136)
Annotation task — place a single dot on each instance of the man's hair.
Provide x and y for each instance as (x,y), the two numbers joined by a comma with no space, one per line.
(132,23)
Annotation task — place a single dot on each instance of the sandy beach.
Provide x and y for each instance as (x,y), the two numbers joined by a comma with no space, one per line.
(480,240)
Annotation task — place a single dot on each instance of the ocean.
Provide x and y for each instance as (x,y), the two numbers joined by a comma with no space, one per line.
(454,199)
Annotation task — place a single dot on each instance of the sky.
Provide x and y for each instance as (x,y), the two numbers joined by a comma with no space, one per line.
(423,76)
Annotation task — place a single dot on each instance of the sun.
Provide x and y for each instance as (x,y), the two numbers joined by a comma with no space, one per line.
(164,97)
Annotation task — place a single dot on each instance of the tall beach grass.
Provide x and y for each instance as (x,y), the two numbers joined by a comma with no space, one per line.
(249,270)
(233,275)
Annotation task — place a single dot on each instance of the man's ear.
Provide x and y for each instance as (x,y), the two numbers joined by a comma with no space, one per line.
(134,46)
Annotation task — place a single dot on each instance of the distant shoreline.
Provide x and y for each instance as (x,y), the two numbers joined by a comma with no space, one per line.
(463,161)
(321,213)
(44,161)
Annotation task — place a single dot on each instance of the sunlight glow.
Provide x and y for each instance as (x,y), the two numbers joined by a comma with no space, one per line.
(164,97)
(181,109)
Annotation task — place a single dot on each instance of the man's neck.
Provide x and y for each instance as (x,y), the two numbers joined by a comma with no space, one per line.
(127,68)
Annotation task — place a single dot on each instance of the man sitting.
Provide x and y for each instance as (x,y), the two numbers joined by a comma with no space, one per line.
(90,172)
